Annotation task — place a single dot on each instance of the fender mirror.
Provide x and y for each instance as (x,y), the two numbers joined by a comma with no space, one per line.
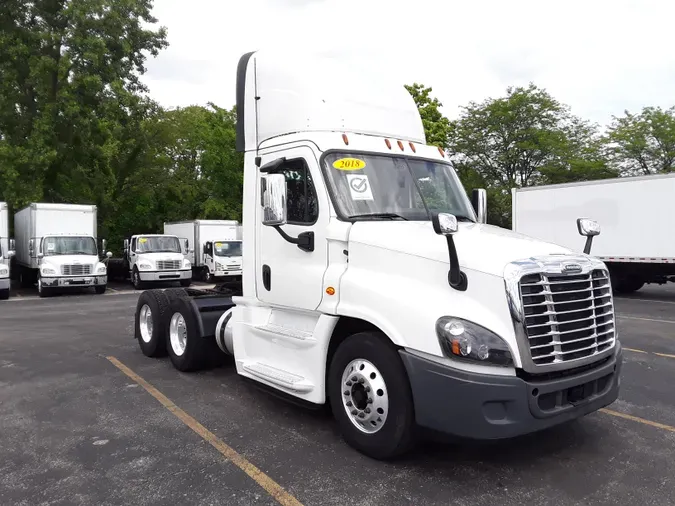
(108,254)
(589,229)
(273,188)
(126,245)
(446,224)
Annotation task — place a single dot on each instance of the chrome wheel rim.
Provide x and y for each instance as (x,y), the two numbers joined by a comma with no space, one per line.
(364,396)
(145,323)
(178,334)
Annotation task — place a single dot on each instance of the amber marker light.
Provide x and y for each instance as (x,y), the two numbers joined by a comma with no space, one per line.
(330,290)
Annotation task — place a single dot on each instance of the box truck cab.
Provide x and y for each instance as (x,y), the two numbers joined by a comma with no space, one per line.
(216,251)
(56,247)
(372,283)
(6,252)
(152,258)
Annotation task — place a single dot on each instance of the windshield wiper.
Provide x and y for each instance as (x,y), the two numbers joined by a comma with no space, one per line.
(391,216)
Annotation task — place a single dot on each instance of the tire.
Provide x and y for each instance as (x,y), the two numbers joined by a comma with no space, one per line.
(100,289)
(185,283)
(188,351)
(152,338)
(136,279)
(206,275)
(4,294)
(395,435)
(43,291)
(626,285)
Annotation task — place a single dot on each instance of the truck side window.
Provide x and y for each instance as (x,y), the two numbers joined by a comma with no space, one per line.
(132,248)
(301,198)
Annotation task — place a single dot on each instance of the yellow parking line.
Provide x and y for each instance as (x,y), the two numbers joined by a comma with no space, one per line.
(267,483)
(638,419)
(664,355)
(635,351)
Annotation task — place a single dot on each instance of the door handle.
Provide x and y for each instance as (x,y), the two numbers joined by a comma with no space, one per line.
(267,277)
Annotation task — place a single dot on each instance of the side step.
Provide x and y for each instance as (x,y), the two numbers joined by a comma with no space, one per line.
(278,377)
(273,330)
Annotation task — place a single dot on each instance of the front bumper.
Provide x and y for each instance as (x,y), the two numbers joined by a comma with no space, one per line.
(165,275)
(481,406)
(228,274)
(74,281)
(4,283)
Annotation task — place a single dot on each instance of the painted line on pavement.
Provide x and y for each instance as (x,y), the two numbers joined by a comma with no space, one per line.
(267,483)
(638,419)
(635,351)
(644,319)
(667,355)
(647,300)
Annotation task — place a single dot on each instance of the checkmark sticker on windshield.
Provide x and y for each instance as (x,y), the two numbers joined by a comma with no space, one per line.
(359,187)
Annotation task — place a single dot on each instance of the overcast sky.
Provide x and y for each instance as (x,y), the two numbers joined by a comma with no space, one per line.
(598,56)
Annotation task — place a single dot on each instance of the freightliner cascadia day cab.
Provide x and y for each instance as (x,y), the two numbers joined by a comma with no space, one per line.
(373,284)
(636,251)
(56,248)
(6,252)
(216,251)
(152,258)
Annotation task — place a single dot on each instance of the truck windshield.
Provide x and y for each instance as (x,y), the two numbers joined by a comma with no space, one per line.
(227,249)
(388,187)
(69,246)
(158,244)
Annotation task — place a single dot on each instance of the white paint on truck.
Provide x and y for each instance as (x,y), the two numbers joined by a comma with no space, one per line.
(56,247)
(637,250)
(6,252)
(152,258)
(215,247)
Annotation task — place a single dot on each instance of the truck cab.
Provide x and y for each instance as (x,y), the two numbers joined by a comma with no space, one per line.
(6,252)
(152,258)
(372,282)
(223,260)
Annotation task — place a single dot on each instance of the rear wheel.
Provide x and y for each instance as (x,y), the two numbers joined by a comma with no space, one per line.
(370,396)
(206,275)
(187,349)
(151,320)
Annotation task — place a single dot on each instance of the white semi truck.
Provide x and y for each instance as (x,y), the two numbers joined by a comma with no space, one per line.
(6,252)
(636,251)
(373,284)
(215,251)
(56,248)
(157,258)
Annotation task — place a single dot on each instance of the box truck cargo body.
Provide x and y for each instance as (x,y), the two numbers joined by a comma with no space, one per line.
(636,216)
(6,252)
(214,247)
(56,247)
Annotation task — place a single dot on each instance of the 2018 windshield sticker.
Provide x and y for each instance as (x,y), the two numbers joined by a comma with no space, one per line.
(219,245)
(349,164)
(359,187)
(142,240)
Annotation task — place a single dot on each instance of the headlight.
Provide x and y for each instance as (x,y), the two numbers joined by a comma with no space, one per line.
(101,269)
(220,267)
(48,271)
(4,271)
(144,266)
(465,340)
(187,264)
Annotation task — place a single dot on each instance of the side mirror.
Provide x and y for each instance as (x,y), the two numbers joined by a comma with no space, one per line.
(104,245)
(126,244)
(108,254)
(12,249)
(31,248)
(444,223)
(273,187)
(40,255)
(589,229)
(187,245)
(205,249)
(479,203)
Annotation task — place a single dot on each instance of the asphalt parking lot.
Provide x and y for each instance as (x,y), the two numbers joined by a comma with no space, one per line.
(76,429)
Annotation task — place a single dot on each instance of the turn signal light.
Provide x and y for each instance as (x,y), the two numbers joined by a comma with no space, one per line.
(440,150)
(386,141)
(412,146)
(344,138)
(330,290)
(400,145)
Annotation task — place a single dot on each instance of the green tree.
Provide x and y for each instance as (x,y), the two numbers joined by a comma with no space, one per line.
(70,96)
(643,143)
(436,126)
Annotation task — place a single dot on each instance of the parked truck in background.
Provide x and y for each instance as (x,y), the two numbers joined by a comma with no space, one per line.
(153,258)
(371,281)
(6,252)
(635,250)
(215,251)
(56,248)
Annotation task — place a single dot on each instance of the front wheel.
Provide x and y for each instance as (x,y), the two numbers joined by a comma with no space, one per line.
(370,396)
(100,289)
(4,294)
(188,351)
(185,283)
(136,279)
(43,291)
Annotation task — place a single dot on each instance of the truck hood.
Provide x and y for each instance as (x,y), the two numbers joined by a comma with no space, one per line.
(483,248)
(59,260)
(154,257)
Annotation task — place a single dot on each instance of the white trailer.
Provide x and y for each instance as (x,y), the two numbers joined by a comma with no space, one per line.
(636,250)
(372,283)
(56,247)
(6,252)
(214,247)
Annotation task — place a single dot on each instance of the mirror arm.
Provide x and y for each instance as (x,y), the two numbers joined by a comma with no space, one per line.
(587,247)
(304,241)
(456,278)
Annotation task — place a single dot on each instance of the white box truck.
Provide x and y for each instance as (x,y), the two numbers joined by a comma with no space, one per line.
(215,247)
(157,258)
(56,247)
(636,250)
(371,281)
(6,252)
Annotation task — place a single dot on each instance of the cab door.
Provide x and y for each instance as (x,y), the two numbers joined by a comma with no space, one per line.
(287,275)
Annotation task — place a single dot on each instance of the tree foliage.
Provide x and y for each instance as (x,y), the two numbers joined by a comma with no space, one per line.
(436,126)
(643,143)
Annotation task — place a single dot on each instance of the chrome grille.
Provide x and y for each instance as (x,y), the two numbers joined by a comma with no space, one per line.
(168,265)
(76,270)
(233,267)
(567,317)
